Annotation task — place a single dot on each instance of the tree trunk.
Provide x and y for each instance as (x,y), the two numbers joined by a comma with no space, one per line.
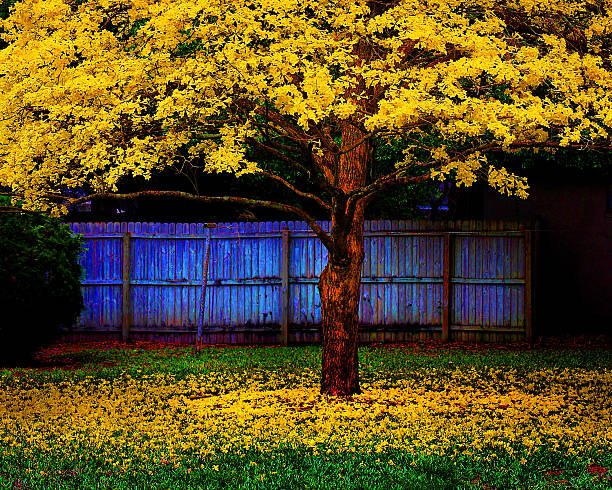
(339,290)
(340,281)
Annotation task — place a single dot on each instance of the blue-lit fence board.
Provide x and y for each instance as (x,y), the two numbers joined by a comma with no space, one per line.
(102,264)
(402,275)
(499,258)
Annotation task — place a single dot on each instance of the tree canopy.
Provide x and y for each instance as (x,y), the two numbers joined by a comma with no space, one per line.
(94,90)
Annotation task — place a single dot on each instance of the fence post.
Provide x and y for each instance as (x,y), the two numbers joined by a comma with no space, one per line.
(125,320)
(528,285)
(446,287)
(284,286)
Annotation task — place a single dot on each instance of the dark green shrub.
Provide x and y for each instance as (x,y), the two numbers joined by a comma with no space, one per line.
(39,283)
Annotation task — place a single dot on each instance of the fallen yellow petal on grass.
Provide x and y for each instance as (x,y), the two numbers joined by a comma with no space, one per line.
(478,412)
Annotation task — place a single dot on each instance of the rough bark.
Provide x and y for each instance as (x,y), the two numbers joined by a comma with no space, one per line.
(339,290)
(339,284)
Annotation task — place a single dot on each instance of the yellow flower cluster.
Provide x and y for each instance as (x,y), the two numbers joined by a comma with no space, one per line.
(471,412)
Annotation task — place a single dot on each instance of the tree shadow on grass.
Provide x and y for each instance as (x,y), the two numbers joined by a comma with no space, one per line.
(66,357)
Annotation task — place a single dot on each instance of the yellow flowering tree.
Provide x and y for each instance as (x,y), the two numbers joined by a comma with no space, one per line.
(94,90)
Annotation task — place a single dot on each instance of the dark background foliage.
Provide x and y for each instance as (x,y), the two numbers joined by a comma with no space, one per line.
(39,282)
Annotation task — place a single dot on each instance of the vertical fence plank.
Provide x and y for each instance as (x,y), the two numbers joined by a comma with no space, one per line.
(446,285)
(284,286)
(240,275)
(186,276)
(276,289)
(248,272)
(233,260)
(125,321)
(255,251)
(269,273)
(159,304)
(203,293)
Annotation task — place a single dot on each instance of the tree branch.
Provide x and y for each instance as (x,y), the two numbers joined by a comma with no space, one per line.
(297,134)
(284,126)
(384,183)
(315,198)
(279,154)
(46,195)
(314,175)
(266,134)
(15,209)
(292,131)
(321,234)
(326,139)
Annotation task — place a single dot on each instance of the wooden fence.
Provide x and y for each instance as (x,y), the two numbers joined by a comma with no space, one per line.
(467,281)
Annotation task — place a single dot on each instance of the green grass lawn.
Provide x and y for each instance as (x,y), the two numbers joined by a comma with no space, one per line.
(103,416)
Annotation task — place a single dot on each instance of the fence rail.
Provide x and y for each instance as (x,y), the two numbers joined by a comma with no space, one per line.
(467,280)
